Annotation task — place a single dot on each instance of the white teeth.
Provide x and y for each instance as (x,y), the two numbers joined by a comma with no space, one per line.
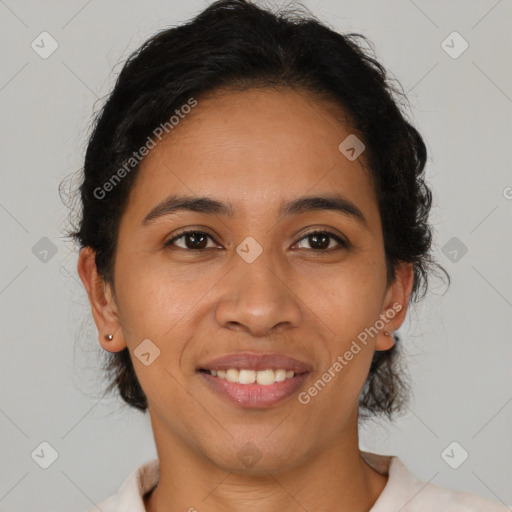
(246,376)
(263,377)
(266,377)
(232,375)
(280,375)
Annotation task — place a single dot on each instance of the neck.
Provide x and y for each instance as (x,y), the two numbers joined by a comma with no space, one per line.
(336,478)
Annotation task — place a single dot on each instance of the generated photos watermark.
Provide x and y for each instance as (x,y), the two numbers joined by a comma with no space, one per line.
(137,156)
(342,360)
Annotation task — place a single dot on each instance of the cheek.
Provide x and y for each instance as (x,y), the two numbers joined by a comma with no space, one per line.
(160,304)
(149,305)
(350,300)
(153,306)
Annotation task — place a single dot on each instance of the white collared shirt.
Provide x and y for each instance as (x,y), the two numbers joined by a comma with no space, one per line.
(403,492)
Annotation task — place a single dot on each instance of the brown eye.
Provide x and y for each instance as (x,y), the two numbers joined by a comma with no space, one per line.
(193,240)
(321,240)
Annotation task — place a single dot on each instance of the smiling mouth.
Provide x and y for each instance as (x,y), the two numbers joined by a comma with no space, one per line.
(253,389)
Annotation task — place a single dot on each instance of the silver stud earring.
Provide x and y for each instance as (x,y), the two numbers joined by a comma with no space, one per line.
(386,333)
(109,337)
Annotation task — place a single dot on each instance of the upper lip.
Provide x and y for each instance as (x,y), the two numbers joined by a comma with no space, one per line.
(256,361)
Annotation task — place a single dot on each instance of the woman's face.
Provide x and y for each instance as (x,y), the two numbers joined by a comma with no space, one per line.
(259,285)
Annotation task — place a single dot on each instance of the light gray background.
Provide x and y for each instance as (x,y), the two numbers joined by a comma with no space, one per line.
(459,344)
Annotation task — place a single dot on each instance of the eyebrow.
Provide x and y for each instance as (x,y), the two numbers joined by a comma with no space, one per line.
(305,204)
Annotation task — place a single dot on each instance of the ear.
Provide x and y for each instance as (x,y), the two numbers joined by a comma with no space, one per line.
(395,305)
(104,307)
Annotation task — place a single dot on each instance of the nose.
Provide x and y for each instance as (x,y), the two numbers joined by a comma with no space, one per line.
(258,298)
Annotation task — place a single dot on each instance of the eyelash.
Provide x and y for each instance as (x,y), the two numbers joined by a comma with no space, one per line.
(342,243)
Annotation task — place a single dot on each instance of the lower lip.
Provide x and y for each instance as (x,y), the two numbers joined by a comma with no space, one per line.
(255,395)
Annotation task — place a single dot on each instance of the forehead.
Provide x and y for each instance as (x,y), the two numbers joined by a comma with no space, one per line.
(254,148)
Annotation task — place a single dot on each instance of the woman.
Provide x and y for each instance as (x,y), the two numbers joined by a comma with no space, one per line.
(254,226)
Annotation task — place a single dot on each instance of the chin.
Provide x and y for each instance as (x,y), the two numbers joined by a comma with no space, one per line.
(260,455)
